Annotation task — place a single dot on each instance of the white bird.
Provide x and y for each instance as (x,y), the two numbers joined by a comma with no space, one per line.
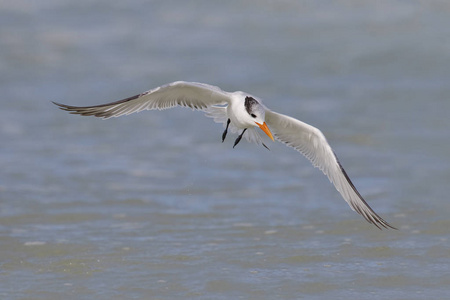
(243,112)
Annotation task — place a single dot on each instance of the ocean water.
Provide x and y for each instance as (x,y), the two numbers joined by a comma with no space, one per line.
(154,206)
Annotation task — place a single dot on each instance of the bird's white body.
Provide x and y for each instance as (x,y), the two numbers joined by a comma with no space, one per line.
(239,117)
(239,111)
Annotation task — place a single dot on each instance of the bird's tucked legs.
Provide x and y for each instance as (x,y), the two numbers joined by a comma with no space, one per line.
(239,138)
(224,134)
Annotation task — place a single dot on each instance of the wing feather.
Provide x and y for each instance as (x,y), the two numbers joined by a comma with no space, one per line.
(310,141)
(197,96)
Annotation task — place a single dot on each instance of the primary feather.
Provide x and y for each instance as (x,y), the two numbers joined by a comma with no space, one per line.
(189,94)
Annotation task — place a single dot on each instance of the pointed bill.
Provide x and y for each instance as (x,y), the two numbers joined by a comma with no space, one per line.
(264,128)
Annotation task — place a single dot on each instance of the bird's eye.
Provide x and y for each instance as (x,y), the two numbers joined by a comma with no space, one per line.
(253,115)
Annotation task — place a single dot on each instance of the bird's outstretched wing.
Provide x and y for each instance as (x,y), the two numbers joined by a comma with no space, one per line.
(198,96)
(310,141)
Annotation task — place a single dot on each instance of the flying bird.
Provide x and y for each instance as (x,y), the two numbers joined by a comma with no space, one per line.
(243,113)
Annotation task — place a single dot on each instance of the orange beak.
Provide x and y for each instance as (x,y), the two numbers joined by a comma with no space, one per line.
(264,128)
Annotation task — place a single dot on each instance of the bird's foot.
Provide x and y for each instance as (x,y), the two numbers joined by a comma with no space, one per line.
(224,134)
(239,138)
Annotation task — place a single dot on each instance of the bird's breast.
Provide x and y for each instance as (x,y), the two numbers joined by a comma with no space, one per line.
(237,117)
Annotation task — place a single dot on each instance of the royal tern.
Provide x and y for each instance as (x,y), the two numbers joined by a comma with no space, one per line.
(244,113)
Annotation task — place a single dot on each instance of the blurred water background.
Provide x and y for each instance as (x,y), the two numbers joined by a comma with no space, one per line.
(154,206)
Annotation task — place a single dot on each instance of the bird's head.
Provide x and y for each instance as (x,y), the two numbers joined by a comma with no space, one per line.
(257,114)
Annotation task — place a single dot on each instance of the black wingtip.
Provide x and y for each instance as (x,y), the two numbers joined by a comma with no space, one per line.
(61,106)
(371,216)
(382,224)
